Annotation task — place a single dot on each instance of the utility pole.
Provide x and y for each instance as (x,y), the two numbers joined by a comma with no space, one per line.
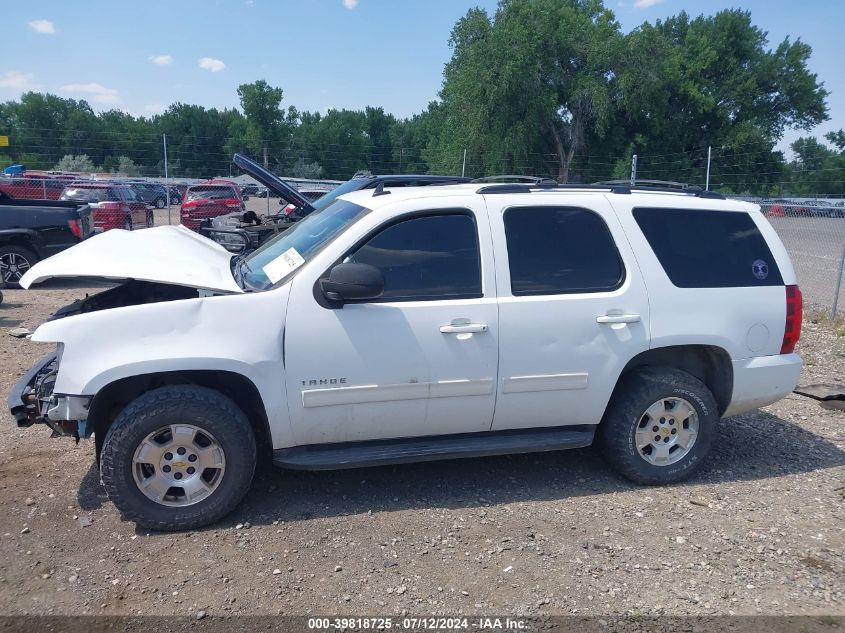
(707,182)
(166,181)
(634,170)
(464,168)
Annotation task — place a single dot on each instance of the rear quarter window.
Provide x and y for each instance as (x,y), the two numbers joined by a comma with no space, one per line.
(700,248)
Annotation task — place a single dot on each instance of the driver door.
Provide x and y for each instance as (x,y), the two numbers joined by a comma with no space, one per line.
(421,359)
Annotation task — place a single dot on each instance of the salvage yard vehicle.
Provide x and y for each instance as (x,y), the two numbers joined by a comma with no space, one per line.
(31,230)
(208,200)
(113,205)
(417,324)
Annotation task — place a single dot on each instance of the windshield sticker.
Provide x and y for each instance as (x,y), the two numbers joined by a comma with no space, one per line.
(284,264)
(760,269)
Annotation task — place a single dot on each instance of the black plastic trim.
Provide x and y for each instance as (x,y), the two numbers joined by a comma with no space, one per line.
(432,448)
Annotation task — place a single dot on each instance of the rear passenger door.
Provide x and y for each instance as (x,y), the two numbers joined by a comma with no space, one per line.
(573,307)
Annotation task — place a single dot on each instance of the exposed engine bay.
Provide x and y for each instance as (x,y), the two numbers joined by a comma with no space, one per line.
(129,293)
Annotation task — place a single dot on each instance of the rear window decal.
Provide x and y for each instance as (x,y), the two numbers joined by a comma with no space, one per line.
(760,269)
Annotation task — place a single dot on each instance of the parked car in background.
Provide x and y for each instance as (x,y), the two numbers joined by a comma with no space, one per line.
(175,195)
(151,193)
(114,206)
(209,200)
(31,230)
(32,186)
(249,189)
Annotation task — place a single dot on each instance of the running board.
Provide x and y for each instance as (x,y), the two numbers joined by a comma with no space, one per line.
(431,448)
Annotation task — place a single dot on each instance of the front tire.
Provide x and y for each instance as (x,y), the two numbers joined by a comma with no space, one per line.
(659,425)
(178,458)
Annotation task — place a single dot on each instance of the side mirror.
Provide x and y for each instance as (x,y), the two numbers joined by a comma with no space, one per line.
(348,282)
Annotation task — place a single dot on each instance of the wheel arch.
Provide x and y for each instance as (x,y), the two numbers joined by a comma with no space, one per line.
(709,363)
(113,398)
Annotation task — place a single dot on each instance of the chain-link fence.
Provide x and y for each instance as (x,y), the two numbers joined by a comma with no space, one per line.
(813,232)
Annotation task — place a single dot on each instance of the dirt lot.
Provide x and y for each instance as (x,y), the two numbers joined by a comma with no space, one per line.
(760,530)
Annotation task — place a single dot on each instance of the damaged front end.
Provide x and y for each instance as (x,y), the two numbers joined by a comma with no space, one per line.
(32,401)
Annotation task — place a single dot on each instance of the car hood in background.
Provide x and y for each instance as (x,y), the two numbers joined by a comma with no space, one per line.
(272,182)
(167,254)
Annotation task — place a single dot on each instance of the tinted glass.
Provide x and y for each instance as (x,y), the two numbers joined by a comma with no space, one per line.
(709,249)
(560,250)
(431,257)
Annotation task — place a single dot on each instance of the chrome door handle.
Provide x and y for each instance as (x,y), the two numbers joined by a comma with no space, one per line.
(465,328)
(618,318)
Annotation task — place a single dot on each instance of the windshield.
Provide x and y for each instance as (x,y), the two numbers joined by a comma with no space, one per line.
(305,238)
(210,193)
(350,185)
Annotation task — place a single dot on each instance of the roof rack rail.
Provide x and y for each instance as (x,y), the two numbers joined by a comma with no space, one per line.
(622,187)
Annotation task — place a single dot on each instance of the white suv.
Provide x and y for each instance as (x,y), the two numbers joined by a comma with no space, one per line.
(417,324)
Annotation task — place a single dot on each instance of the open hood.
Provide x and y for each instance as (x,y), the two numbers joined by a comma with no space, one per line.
(272,182)
(166,254)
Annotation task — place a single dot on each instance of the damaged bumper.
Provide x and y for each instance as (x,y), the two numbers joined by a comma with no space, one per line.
(32,401)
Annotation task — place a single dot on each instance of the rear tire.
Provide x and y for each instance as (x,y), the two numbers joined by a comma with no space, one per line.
(659,425)
(178,458)
(14,262)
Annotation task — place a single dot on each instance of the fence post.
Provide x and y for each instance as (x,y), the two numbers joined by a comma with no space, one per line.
(464,168)
(707,182)
(838,283)
(634,170)
(166,181)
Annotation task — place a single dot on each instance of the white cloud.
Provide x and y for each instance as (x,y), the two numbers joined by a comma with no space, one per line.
(44,27)
(645,4)
(98,92)
(17,80)
(214,65)
(160,60)
(350,4)
(154,108)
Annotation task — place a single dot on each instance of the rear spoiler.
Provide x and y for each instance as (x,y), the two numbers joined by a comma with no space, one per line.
(272,182)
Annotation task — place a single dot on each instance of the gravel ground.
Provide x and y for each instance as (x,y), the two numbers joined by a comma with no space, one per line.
(760,530)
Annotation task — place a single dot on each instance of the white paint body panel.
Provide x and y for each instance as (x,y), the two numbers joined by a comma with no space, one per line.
(235,333)
(557,365)
(404,377)
(383,370)
(167,254)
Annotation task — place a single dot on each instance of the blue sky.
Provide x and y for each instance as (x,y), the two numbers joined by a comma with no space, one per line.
(140,57)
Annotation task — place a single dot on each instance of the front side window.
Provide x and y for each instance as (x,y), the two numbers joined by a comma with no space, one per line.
(560,250)
(426,258)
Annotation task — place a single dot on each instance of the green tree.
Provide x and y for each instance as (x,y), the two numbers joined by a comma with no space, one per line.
(79,163)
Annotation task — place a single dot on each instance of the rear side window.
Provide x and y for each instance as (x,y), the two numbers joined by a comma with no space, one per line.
(709,249)
(560,250)
(426,258)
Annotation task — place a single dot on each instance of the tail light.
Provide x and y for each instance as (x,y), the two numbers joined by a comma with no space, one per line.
(289,209)
(75,227)
(794,314)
